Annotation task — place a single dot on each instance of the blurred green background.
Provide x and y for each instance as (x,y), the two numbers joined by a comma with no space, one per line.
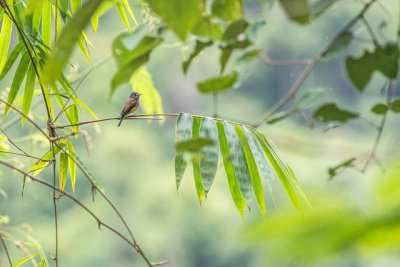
(135,162)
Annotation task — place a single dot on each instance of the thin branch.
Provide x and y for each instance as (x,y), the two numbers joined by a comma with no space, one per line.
(23,155)
(6,250)
(274,62)
(381,126)
(370,31)
(14,144)
(310,67)
(83,206)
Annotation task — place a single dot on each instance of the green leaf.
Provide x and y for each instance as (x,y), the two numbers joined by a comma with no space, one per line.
(46,159)
(224,57)
(248,56)
(131,60)
(239,161)
(142,82)
(17,81)
(284,174)
(205,27)
(122,14)
(127,7)
(75,5)
(310,98)
(201,194)
(234,30)
(395,106)
(200,45)
(11,59)
(180,16)
(209,154)
(339,47)
(229,10)
(72,164)
(5,38)
(63,171)
(255,177)
(318,7)
(25,259)
(72,114)
(28,93)
(383,59)
(330,112)
(297,10)
(218,84)
(183,131)
(70,35)
(104,7)
(46,23)
(234,188)
(262,163)
(379,109)
(193,145)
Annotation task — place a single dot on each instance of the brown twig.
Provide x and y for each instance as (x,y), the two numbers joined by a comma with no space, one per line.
(83,206)
(310,67)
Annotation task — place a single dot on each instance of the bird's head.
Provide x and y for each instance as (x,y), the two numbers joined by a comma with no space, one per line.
(135,95)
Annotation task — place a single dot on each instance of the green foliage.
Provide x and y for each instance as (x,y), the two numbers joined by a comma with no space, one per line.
(330,112)
(200,45)
(383,59)
(229,10)
(244,152)
(297,10)
(218,84)
(5,38)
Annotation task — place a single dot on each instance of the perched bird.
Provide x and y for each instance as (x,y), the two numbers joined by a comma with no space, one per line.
(130,106)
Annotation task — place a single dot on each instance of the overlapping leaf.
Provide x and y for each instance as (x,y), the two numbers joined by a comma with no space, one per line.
(247,157)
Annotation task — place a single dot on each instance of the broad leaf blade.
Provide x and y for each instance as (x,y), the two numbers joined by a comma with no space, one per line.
(239,161)
(234,188)
(196,163)
(218,84)
(17,81)
(5,37)
(252,166)
(209,159)
(11,59)
(72,164)
(183,131)
(227,9)
(28,93)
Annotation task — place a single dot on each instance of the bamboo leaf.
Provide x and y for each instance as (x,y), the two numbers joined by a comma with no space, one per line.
(193,145)
(72,114)
(127,7)
(248,148)
(17,81)
(5,38)
(46,23)
(183,131)
(236,194)
(75,5)
(142,82)
(28,93)
(70,35)
(122,14)
(63,171)
(196,164)
(25,259)
(284,174)
(72,164)
(104,7)
(46,159)
(239,161)
(209,159)
(11,59)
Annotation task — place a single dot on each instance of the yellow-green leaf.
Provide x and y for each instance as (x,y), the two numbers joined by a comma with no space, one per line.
(46,159)
(196,164)
(183,131)
(63,171)
(5,38)
(72,164)
(28,93)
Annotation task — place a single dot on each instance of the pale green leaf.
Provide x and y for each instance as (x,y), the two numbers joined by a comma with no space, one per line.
(17,80)
(122,13)
(227,9)
(28,93)
(238,161)
(75,5)
(248,148)
(201,194)
(209,159)
(193,145)
(25,259)
(200,45)
(5,38)
(128,8)
(11,59)
(46,159)
(70,35)
(72,114)
(180,16)
(72,164)
(236,194)
(46,23)
(218,84)
(63,171)
(104,7)
(183,131)
(142,82)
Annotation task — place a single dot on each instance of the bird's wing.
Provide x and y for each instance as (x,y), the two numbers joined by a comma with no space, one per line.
(130,105)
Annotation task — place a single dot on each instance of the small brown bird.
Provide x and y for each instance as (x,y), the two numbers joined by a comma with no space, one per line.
(130,106)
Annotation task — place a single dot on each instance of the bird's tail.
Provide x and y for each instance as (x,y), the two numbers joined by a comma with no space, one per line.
(120,121)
